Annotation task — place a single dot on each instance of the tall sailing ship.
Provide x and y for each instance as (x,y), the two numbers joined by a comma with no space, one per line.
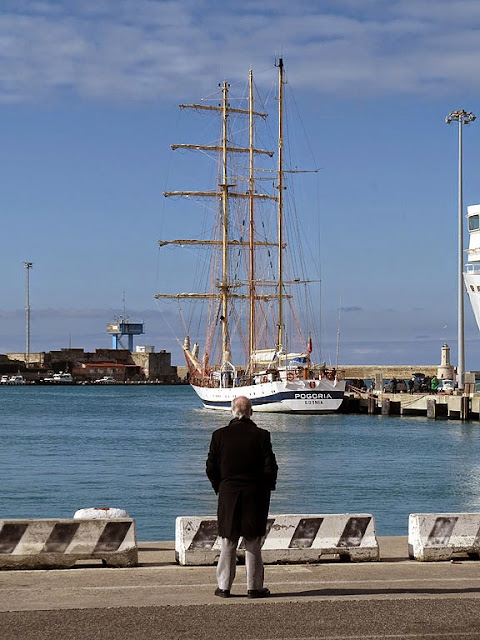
(251,311)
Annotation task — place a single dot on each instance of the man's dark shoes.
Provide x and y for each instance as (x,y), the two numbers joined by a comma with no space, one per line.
(222,593)
(258,593)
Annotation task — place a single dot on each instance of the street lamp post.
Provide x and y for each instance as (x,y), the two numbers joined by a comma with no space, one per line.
(28,266)
(462,117)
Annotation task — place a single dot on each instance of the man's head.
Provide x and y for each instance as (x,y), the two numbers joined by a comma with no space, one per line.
(241,407)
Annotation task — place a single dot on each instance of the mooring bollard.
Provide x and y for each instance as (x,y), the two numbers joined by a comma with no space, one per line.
(385,406)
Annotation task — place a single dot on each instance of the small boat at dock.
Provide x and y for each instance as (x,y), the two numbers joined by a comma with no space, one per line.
(16,380)
(106,380)
(59,378)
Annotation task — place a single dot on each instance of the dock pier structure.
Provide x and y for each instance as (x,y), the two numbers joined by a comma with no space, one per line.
(372,398)
(440,406)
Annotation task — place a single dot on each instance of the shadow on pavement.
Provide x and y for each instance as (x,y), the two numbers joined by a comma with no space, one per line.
(367,592)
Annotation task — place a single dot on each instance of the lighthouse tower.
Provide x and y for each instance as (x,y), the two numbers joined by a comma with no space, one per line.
(445,371)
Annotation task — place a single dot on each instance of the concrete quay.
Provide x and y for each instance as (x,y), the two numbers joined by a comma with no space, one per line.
(394,598)
(449,406)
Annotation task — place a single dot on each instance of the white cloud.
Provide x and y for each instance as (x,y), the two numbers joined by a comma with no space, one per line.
(105,315)
(145,49)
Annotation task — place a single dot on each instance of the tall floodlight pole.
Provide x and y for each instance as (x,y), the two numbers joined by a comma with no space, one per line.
(462,117)
(28,266)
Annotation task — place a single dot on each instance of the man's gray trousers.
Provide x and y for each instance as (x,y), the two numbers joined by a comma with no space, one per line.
(227,563)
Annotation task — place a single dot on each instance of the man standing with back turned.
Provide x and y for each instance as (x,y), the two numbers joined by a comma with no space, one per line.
(243,471)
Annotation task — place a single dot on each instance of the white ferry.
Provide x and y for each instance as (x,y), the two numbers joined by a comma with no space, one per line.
(471,274)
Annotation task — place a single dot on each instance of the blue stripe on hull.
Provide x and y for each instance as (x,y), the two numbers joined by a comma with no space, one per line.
(280,397)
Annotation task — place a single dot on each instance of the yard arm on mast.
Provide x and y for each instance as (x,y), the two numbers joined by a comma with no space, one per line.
(233,243)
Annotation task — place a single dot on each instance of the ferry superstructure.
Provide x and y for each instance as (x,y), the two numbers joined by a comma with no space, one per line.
(471,274)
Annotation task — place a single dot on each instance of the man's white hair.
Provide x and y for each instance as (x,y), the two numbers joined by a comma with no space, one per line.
(241,407)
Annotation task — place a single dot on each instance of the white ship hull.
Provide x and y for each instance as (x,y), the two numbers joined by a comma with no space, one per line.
(472,284)
(471,275)
(300,396)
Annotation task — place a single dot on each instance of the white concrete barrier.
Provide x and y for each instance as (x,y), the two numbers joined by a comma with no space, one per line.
(289,538)
(436,536)
(59,543)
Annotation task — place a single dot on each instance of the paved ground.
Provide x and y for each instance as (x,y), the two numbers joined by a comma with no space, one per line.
(394,598)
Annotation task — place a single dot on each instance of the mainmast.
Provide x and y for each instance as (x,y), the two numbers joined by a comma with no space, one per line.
(280,338)
(251,188)
(224,191)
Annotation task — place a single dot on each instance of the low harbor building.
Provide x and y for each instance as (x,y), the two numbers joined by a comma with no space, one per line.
(121,364)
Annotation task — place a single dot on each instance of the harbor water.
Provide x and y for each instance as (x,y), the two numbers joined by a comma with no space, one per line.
(143,449)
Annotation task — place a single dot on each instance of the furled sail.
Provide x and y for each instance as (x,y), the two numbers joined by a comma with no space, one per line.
(264,356)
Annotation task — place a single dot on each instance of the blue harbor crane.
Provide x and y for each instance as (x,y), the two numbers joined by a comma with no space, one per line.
(123,327)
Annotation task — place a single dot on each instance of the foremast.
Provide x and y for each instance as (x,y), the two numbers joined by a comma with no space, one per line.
(224,187)
(224,194)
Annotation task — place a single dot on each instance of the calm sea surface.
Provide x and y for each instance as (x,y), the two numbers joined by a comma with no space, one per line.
(143,448)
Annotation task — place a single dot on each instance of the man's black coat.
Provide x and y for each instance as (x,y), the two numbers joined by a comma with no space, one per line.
(243,470)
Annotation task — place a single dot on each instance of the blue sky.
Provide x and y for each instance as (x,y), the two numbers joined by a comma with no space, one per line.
(88,109)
